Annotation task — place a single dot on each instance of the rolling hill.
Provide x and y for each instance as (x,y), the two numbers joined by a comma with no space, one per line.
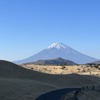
(18,83)
(56,61)
(95,63)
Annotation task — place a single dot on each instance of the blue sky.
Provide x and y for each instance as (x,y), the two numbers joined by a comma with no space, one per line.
(29,26)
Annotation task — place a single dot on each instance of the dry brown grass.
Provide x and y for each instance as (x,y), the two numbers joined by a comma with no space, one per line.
(78,69)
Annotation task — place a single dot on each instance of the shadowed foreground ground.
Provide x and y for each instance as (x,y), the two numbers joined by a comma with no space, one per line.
(17,83)
(57,94)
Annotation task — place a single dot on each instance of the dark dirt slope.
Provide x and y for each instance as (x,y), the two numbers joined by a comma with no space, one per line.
(13,71)
(18,83)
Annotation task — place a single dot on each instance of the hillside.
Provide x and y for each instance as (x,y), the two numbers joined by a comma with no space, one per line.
(56,61)
(18,83)
(95,63)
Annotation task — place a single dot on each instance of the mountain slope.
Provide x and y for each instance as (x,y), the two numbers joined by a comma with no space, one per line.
(56,50)
(56,61)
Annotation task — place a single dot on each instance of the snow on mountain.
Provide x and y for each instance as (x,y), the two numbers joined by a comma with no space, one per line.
(62,47)
(57,45)
(56,50)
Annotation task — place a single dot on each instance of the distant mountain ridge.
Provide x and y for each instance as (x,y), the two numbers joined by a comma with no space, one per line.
(56,61)
(56,50)
(95,63)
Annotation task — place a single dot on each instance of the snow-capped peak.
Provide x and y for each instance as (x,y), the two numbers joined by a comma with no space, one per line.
(57,45)
(56,50)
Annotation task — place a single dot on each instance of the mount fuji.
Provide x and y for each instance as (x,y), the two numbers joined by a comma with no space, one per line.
(56,50)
